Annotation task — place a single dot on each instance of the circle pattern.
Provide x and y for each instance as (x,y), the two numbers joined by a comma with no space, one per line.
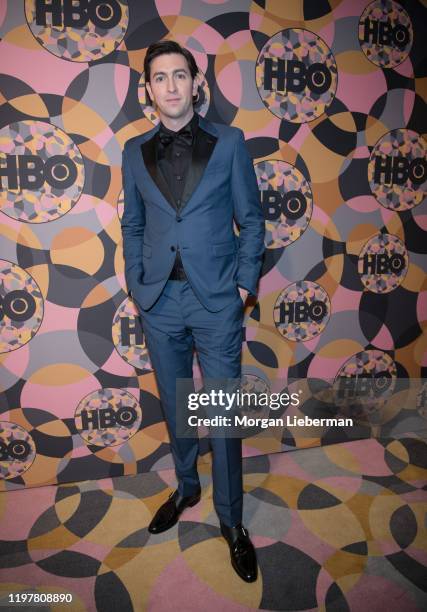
(302,311)
(44,169)
(383,263)
(78,261)
(364,384)
(296,75)
(287,202)
(397,170)
(81,32)
(108,417)
(21,307)
(17,450)
(385,33)
(128,336)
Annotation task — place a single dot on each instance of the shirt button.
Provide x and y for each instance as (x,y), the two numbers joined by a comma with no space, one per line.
(177,154)
(172,248)
(178,202)
(178,177)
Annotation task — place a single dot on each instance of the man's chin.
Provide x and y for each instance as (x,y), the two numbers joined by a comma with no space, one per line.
(174,113)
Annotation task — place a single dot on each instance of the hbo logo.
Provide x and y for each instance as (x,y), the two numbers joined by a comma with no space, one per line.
(302,312)
(294,76)
(104,14)
(17,450)
(292,204)
(397,169)
(131,331)
(59,171)
(383,33)
(382,263)
(364,384)
(107,417)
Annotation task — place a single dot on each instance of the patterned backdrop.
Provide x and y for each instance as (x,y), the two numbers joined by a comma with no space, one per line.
(331,97)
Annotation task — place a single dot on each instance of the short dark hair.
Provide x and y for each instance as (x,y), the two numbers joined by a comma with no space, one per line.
(164,47)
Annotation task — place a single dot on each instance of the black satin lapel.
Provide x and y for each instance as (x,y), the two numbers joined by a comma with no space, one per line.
(149,155)
(202,151)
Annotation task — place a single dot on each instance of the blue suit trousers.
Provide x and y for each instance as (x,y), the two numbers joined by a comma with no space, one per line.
(173,326)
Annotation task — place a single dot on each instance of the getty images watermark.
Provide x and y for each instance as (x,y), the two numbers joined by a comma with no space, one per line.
(247,406)
(312,407)
(232,402)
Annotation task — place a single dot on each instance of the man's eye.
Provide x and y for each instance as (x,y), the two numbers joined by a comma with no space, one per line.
(159,78)
(182,75)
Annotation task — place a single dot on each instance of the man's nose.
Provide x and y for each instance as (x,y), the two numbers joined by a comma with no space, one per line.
(171,84)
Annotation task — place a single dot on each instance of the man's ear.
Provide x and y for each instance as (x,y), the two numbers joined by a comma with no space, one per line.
(196,82)
(150,93)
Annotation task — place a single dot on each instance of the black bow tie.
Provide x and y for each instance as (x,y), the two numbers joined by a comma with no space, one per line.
(184,136)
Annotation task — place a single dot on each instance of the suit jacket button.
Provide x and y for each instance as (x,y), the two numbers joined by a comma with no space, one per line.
(178,218)
(172,248)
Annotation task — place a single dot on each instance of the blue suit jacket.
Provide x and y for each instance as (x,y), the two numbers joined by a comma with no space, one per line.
(221,184)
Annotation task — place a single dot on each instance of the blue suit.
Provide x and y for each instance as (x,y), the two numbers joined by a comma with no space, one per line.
(205,312)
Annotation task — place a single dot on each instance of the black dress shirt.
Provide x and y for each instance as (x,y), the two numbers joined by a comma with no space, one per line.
(174,153)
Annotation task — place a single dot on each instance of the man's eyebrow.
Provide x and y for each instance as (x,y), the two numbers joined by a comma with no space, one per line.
(160,72)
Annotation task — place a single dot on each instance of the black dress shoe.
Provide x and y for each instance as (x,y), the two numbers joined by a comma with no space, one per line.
(168,514)
(242,551)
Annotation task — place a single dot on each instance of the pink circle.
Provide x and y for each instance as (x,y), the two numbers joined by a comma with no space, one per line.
(230,83)
(359,92)
(61,400)
(168,7)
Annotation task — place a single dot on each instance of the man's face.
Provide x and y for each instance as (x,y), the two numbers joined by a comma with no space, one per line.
(171,87)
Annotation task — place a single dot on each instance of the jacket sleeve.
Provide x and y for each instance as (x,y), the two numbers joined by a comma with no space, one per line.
(249,216)
(132,224)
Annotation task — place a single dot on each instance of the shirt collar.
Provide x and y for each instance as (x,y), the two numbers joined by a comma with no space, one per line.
(193,124)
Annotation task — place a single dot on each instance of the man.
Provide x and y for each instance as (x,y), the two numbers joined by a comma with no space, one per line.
(187,272)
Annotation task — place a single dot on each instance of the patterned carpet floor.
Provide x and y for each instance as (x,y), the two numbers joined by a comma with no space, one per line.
(336,528)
